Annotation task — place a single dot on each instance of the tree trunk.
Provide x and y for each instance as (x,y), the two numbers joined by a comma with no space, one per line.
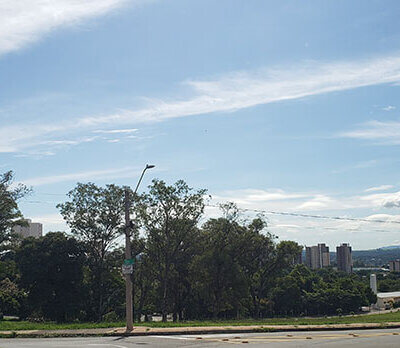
(143,293)
(165,293)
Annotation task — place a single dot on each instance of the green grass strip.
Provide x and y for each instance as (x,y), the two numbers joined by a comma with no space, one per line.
(375,318)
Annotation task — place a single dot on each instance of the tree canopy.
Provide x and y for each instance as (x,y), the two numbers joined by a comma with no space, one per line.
(10,215)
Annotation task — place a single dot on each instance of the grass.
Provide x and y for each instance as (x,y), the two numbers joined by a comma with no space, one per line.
(7,325)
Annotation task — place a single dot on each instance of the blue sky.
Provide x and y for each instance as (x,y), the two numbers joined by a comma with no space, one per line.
(282,106)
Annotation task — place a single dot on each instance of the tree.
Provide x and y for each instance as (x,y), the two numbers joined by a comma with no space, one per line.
(10,215)
(169,215)
(96,217)
(51,270)
(216,271)
(258,259)
(11,297)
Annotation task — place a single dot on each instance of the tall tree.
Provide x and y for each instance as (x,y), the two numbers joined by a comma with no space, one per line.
(10,215)
(96,217)
(216,271)
(51,271)
(169,215)
(257,257)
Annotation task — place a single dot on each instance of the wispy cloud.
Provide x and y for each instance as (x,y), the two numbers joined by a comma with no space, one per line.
(116,131)
(392,201)
(235,91)
(283,221)
(359,165)
(382,199)
(250,197)
(319,202)
(282,200)
(385,133)
(23,22)
(106,174)
(379,188)
(387,217)
(389,108)
(69,142)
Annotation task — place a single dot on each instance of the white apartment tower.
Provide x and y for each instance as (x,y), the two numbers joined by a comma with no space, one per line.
(34,229)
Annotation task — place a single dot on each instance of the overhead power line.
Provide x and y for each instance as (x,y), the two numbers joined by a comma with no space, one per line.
(284,213)
(271,212)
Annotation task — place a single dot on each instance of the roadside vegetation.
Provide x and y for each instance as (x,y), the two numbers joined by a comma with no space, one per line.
(225,268)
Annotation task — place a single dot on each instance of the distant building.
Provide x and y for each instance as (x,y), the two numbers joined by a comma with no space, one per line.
(317,256)
(386,300)
(344,259)
(394,266)
(373,284)
(34,229)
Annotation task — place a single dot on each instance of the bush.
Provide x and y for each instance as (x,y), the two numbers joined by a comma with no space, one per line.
(111,317)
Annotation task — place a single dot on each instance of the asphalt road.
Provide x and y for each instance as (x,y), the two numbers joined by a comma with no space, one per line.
(354,338)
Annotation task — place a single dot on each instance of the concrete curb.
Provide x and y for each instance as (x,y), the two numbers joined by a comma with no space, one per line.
(145,331)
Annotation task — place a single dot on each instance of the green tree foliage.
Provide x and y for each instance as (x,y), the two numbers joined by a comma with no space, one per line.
(51,271)
(96,217)
(169,216)
(10,215)
(238,265)
(225,268)
(389,282)
(216,272)
(11,297)
(326,291)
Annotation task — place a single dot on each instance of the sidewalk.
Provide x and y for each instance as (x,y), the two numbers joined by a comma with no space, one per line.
(146,331)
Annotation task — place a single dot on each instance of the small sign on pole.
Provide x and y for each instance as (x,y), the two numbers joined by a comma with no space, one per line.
(127,268)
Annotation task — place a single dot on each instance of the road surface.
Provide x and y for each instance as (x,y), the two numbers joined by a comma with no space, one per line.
(354,338)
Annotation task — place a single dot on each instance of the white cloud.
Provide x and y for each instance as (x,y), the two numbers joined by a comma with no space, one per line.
(87,176)
(384,217)
(379,188)
(392,201)
(51,222)
(389,108)
(287,216)
(277,199)
(252,196)
(285,201)
(319,202)
(23,22)
(48,219)
(235,91)
(387,133)
(69,142)
(116,131)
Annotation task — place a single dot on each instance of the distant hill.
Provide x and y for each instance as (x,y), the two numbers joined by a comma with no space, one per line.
(390,247)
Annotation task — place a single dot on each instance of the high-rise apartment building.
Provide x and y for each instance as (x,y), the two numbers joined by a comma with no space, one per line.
(34,229)
(317,256)
(344,259)
(394,266)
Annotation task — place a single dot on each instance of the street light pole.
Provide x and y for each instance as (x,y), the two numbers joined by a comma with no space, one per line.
(128,255)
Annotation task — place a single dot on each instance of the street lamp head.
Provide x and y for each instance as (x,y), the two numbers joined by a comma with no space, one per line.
(149,166)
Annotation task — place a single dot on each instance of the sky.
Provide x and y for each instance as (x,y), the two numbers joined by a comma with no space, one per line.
(279,106)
